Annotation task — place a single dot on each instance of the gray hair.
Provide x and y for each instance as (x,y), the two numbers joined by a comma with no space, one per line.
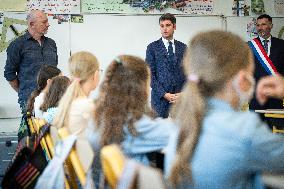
(32,15)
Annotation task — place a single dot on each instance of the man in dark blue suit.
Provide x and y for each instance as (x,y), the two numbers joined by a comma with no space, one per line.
(275,51)
(164,57)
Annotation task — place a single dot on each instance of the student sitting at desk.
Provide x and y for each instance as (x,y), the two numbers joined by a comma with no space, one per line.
(219,146)
(75,108)
(51,99)
(45,74)
(122,114)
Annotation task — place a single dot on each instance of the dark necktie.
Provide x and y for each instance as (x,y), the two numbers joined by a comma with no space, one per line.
(265,45)
(171,52)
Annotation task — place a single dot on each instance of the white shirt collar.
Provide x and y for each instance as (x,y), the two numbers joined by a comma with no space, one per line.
(269,43)
(261,39)
(166,43)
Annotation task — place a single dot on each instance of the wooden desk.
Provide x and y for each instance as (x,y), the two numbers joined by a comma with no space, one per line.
(275,181)
(274,114)
(269,179)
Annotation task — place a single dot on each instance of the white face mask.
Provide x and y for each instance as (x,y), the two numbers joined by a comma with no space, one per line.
(244,97)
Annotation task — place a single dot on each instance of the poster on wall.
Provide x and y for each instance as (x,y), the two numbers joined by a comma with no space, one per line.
(195,7)
(61,18)
(55,6)
(13,5)
(257,6)
(251,29)
(77,19)
(281,33)
(1,17)
(240,8)
(11,26)
(279,7)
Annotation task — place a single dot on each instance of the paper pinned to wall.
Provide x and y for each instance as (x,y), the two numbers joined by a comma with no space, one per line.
(11,28)
(1,17)
(55,6)
(279,7)
(13,5)
(240,8)
(251,29)
(257,6)
(196,7)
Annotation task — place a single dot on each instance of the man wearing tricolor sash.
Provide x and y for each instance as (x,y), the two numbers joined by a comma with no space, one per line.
(269,59)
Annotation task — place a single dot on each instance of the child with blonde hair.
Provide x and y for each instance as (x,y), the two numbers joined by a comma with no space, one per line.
(72,117)
(219,146)
(84,69)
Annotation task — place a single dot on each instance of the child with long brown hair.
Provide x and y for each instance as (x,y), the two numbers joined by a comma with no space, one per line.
(45,74)
(51,99)
(122,115)
(219,146)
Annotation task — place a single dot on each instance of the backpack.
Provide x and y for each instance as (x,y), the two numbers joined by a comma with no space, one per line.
(28,162)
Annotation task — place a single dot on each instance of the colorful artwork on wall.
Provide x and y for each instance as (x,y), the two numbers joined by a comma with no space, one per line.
(257,6)
(279,7)
(251,29)
(196,7)
(55,6)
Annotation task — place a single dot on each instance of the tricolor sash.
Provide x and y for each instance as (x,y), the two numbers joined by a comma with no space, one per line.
(262,57)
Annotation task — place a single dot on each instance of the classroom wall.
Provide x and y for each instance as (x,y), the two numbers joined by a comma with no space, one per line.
(108,36)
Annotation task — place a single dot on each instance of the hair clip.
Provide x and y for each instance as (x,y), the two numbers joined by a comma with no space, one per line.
(76,79)
(117,60)
(193,77)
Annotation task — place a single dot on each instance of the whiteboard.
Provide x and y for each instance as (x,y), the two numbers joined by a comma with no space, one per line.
(8,97)
(108,36)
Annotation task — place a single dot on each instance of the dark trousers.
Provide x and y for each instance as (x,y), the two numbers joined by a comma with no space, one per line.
(23,128)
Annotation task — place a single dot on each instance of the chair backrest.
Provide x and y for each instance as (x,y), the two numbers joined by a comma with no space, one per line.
(124,173)
(48,141)
(80,158)
(276,130)
(28,162)
(138,176)
(31,126)
(113,162)
(150,178)
(53,176)
(54,134)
